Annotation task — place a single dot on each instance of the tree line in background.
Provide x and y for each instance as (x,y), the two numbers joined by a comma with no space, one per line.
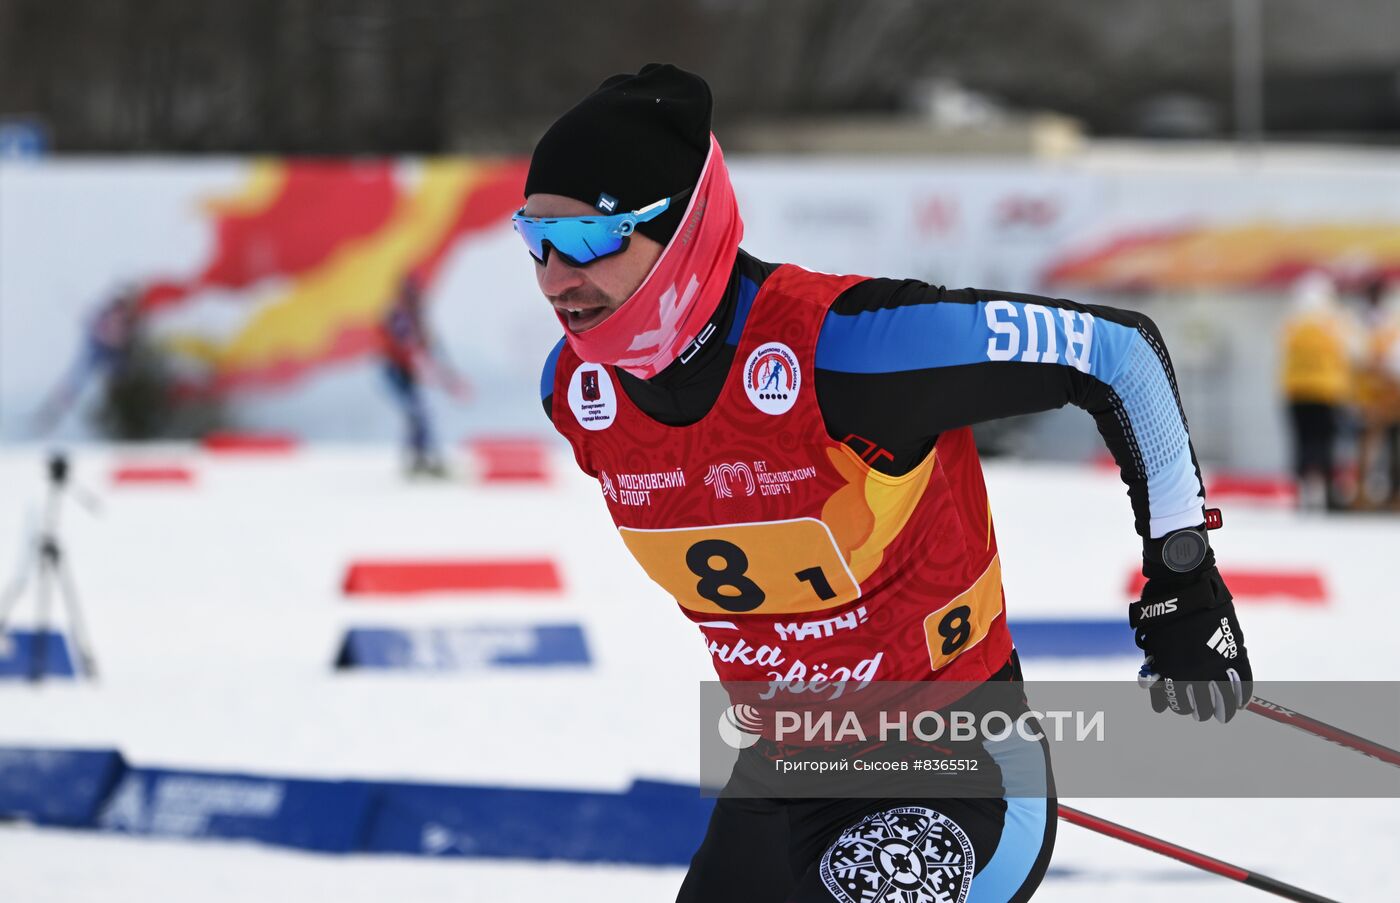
(427,76)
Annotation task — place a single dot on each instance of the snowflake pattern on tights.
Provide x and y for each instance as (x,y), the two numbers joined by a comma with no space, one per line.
(906,855)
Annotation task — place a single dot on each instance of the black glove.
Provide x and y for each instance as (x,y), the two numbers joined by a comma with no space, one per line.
(1196,663)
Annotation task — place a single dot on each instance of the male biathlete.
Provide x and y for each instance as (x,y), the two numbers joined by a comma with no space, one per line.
(788,453)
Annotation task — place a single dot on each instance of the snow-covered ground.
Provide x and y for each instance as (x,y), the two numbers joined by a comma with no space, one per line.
(216,610)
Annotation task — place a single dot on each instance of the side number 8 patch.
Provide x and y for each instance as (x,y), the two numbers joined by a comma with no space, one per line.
(963,623)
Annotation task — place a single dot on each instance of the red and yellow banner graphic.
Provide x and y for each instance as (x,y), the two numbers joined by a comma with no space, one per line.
(331,241)
(1250,255)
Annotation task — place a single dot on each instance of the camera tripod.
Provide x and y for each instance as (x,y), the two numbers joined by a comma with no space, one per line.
(44,560)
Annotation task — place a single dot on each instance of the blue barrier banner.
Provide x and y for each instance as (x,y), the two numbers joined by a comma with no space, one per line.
(463,648)
(1074,638)
(55,786)
(328,816)
(669,820)
(25,654)
(651,824)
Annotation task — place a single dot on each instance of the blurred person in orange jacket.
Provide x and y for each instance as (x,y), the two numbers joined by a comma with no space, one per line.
(1378,393)
(1316,376)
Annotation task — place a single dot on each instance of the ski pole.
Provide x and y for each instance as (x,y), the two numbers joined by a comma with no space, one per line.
(1275,712)
(1190,857)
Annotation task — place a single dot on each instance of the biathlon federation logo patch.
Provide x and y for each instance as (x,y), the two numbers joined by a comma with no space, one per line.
(772,378)
(592,397)
(906,855)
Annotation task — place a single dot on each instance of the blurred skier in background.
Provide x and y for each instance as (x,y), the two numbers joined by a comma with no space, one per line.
(1317,359)
(411,358)
(109,336)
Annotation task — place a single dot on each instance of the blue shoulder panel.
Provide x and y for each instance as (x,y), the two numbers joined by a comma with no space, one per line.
(901,338)
(547,375)
(748,290)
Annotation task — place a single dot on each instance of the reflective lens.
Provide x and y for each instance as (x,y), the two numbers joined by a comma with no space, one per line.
(580,240)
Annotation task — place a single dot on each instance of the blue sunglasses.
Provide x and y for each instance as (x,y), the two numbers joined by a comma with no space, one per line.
(580,240)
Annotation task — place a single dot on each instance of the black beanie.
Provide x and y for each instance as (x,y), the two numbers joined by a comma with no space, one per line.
(637,139)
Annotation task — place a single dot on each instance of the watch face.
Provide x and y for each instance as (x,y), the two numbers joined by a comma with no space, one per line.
(1184,551)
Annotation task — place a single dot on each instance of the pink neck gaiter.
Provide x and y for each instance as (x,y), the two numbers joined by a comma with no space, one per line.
(679,295)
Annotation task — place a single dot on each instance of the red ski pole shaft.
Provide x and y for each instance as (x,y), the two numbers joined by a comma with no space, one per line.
(1275,712)
(1190,857)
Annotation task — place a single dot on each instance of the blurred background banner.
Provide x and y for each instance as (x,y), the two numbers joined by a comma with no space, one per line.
(263,281)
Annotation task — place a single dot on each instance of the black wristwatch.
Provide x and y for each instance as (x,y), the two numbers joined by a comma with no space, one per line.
(1184,550)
